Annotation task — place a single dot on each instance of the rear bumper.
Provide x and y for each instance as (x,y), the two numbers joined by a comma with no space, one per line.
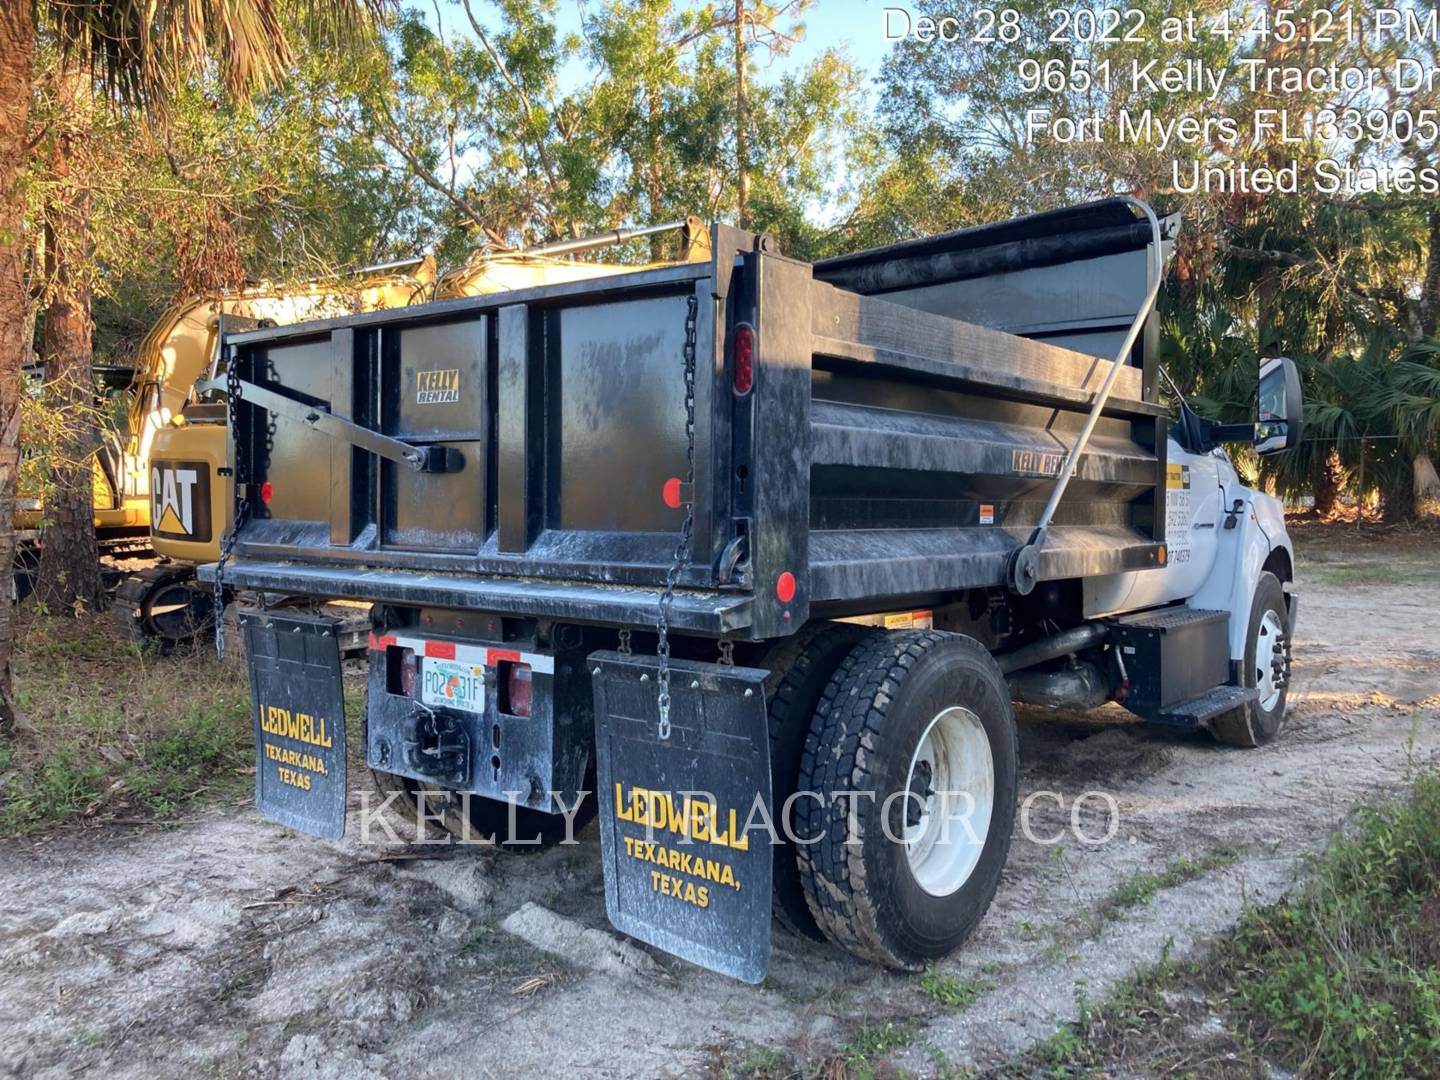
(601,605)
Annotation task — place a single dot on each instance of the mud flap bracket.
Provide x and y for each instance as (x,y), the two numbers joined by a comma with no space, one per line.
(682,870)
(298,707)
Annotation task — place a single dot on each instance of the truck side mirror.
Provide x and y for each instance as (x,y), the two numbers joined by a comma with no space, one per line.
(1281,406)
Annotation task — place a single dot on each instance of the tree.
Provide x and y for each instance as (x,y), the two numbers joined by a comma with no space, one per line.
(516,154)
(17,51)
(142,52)
(69,576)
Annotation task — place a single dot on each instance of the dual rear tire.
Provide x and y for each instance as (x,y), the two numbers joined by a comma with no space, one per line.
(907,780)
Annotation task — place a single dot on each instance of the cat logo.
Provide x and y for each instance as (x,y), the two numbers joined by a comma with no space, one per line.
(180,500)
(440,387)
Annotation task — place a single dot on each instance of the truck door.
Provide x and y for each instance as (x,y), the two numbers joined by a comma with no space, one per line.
(1194,510)
(1192,518)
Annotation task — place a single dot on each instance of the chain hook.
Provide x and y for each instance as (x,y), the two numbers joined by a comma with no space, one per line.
(687,528)
(242,504)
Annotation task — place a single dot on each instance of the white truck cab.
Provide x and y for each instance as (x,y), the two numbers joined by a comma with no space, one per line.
(1227,546)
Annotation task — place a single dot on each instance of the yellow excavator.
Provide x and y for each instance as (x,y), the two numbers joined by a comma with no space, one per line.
(174,463)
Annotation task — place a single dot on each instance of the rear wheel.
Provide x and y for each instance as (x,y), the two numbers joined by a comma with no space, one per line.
(1266,669)
(920,726)
(476,819)
(800,670)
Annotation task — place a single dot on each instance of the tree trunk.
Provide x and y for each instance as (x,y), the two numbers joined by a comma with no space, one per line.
(1328,480)
(1426,493)
(654,169)
(17,54)
(742,122)
(1397,493)
(69,577)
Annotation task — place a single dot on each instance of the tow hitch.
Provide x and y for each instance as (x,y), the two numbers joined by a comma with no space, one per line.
(440,749)
(683,821)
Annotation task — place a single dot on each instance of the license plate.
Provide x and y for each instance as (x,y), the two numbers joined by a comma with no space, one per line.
(453,685)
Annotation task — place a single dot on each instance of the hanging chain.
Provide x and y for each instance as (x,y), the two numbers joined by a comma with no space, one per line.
(727,652)
(687,529)
(242,504)
(624,649)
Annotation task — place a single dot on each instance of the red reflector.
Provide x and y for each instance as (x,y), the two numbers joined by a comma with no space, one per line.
(785,587)
(495,657)
(378,644)
(440,650)
(742,365)
(266,492)
(518,688)
(671,493)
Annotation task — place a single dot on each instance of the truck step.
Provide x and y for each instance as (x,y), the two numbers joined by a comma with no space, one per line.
(1208,705)
(1170,618)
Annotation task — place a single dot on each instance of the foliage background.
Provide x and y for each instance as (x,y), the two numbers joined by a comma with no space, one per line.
(469,124)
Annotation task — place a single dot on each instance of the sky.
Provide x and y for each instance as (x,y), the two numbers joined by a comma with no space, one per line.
(855,27)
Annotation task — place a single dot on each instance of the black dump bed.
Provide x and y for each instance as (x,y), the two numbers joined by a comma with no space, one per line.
(910,410)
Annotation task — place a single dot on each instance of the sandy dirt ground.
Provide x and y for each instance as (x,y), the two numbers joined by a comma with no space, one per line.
(228,946)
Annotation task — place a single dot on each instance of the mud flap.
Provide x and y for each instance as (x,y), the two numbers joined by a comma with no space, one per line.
(682,872)
(299,712)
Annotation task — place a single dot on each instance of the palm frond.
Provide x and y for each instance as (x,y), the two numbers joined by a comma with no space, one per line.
(142,50)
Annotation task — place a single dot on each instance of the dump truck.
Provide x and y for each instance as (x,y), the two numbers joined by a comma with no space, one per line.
(751,558)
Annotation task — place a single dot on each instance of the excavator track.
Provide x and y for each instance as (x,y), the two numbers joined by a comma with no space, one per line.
(164,604)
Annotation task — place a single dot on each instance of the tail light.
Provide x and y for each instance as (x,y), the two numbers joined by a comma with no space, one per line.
(402,670)
(742,358)
(515,684)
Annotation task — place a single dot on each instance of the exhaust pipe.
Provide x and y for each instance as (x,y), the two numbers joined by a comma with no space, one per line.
(1052,648)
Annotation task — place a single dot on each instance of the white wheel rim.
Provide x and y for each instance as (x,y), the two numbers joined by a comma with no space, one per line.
(1267,640)
(953,763)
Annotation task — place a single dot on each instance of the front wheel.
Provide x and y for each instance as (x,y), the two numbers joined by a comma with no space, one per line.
(910,772)
(1266,670)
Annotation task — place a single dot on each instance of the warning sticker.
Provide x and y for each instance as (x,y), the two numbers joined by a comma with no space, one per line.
(1178,513)
(987,513)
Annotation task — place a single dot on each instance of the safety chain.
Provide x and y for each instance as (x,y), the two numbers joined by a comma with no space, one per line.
(727,652)
(242,504)
(687,530)
(624,649)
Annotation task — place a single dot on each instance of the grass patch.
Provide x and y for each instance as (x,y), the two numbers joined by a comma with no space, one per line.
(950,991)
(1375,575)
(1142,886)
(1340,978)
(111,729)
(1343,977)
(872,1042)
